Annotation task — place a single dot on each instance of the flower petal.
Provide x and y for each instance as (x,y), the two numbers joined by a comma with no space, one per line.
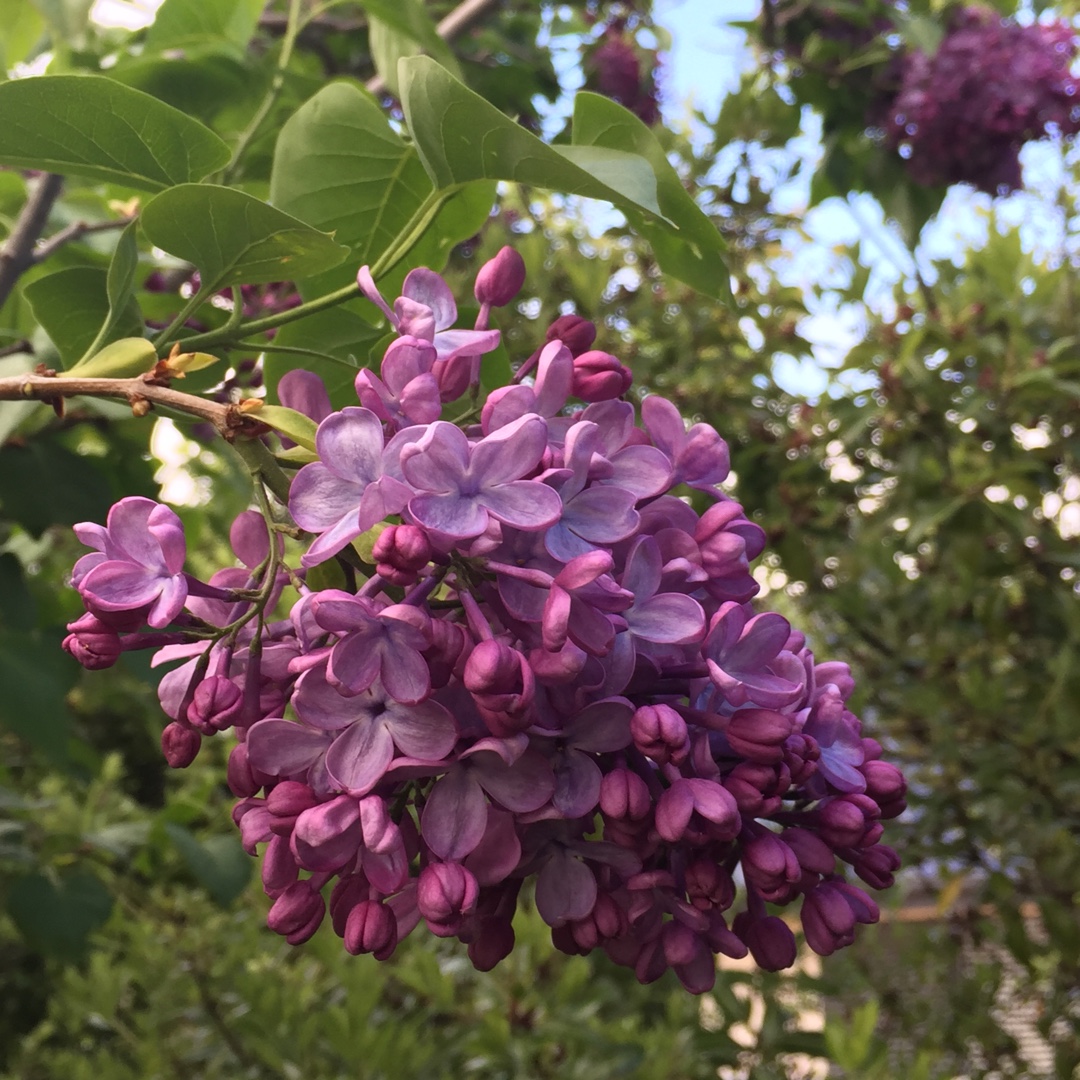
(359,756)
(455,815)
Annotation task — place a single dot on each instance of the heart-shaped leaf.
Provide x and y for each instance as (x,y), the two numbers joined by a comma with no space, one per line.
(461,137)
(232,237)
(694,254)
(93,126)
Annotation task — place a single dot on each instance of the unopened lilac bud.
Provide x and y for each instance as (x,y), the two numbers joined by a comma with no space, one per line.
(770,865)
(286,802)
(709,886)
(371,928)
(828,922)
(660,733)
(759,734)
(697,810)
(493,668)
(400,552)
(279,869)
(180,745)
(94,644)
(241,779)
(446,894)
(770,940)
(607,920)
(349,891)
(216,704)
(814,855)
(877,865)
(599,376)
(845,821)
(500,279)
(296,913)
(624,795)
(493,942)
(885,783)
(448,645)
(576,333)
(801,756)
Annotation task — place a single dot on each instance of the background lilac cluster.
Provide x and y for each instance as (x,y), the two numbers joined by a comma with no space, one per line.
(551,672)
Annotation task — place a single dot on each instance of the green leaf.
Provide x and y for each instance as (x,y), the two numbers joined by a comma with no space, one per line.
(695,254)
(186,24)
(73,304)
(19,33)
(339,166)
(119,286)
(17,607)
(233,237)
(36,675)
(219,863)
(290,423)
(58,918)
(461,137)
(339,332)
(123,359)
(13,413)
(95,127)
(409,19)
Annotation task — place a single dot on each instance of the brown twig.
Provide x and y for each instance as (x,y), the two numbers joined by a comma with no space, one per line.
(76,231)
(140,393)
(17,253)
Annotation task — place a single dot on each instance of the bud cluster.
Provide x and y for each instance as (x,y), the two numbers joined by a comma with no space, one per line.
(553,672)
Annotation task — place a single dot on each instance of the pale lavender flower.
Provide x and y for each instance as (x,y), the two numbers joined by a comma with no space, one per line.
(350,488)
(138,563)
(460,485)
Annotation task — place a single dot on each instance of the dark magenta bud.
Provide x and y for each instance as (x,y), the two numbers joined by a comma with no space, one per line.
(241,779)
(92,643)
(759,734)
(624,795)
(709,886)
(216,704)
(400,552)
(660,733)
(500,279)
(297,913)
(576,333)
(180,745)
(279,869)
(769,939)
(371,928)
(446,893)
(599,376)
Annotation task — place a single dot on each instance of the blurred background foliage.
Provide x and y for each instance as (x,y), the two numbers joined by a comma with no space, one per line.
(903,418)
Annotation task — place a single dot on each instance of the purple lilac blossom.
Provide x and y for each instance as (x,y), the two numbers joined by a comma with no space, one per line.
(554,672)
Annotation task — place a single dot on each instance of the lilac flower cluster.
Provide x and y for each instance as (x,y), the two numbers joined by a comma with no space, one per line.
(552,671)
(963,114)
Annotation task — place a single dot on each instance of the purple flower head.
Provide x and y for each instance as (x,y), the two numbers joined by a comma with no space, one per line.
(459,485)
(138,564)
(552,671)
(350,488)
